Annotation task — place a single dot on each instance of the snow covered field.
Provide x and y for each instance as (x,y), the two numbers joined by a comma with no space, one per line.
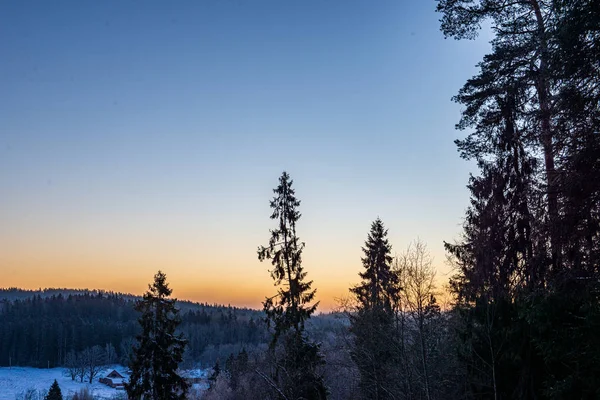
(17,380)
(14,382)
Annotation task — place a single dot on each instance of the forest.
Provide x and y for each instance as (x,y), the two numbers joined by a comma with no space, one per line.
(40,329)
(523,321)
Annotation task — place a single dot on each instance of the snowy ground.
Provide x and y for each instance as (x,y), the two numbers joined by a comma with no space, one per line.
(14,382)
(18,380)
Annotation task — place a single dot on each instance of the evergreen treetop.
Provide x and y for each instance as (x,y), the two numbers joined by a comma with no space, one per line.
(291,306)
(296,373)
(380,285)
(159,350)
(54,393)
(374,348)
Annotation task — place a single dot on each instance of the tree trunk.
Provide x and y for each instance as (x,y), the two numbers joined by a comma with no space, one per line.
(424,358)
(542,87)
(284,228)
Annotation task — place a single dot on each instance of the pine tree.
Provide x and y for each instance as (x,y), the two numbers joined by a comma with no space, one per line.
(296,371)
(54,393)
(159,350)
(532,233)
(375,349)
(544,59)
(519,63)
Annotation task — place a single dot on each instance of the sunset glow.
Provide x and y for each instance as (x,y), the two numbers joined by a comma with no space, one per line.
(123,150)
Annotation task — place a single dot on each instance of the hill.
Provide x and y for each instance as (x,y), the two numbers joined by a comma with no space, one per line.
(40,327)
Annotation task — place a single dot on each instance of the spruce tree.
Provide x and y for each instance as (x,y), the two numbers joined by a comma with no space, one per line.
(375,348)
(159,350)
(54,393)
(296,371)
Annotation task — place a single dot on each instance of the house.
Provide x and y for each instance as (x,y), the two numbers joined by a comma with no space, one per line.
(114,380)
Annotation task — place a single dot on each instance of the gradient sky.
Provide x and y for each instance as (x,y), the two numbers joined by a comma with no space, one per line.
(137,136)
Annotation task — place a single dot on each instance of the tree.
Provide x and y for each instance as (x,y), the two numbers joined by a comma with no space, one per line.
(54,393)
(497,259)
(419,296)
(296,370)
(542,71)
(159,349)
(522,53)
(375,350)
(110,353)
(127,350)
(532,233)
(236,366)
(93,360)
(81,366)
(71,365)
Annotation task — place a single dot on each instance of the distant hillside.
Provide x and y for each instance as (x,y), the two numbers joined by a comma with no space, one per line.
(40,327)
(14,293)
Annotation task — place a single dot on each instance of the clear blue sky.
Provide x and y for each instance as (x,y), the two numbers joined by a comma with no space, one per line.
(144,135)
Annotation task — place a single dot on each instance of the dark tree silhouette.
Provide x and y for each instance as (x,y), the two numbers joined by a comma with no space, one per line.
(54,393)
(532,233)
(296,371)
(159,350)
(375,350)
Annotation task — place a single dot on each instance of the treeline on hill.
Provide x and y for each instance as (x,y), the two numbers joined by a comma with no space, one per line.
(13,293)
(40,331)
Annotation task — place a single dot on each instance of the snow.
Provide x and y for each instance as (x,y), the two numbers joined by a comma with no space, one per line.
(17,380)
(196,373)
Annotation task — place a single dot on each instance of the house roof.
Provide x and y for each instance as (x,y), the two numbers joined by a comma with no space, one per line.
(114,374)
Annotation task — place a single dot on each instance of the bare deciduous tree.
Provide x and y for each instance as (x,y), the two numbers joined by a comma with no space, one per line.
(127,350)
(71,365)
(81,366)
(110,353)
(418,285)
(94,359)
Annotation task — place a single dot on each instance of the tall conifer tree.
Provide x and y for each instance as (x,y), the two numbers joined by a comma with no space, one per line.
(296,371)
(159,350)
(375,350)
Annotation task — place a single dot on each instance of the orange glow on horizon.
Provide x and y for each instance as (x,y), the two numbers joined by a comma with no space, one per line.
(246,290)
(127,263)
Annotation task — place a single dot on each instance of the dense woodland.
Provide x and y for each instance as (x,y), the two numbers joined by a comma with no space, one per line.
(524,320)
(40,331)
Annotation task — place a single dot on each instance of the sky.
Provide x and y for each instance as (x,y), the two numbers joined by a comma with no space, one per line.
(138,136)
